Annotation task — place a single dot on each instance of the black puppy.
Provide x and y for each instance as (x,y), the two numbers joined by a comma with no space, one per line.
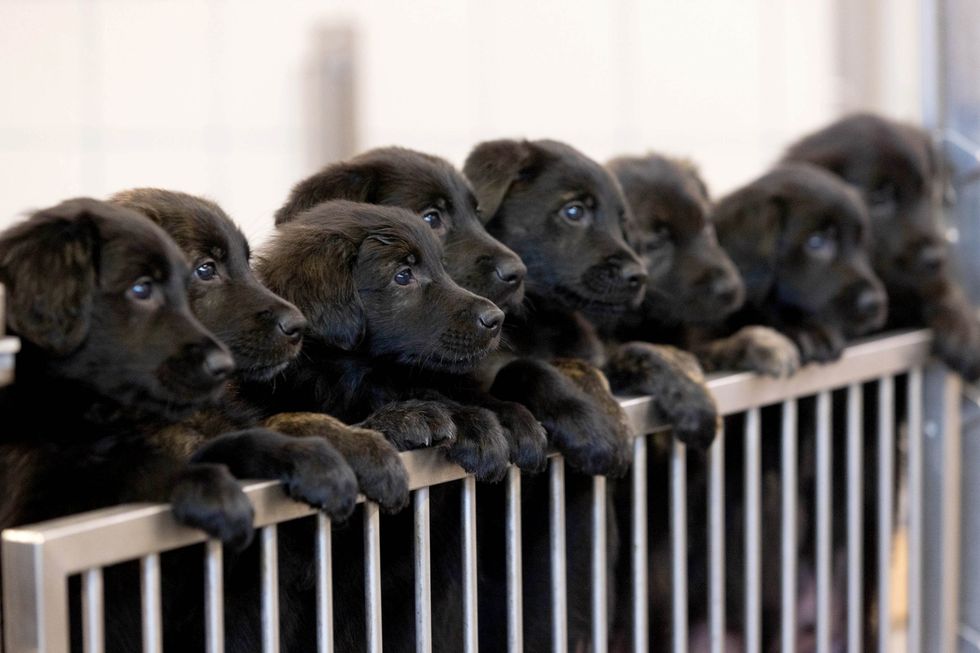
(264,333)
(439,195)
(98,296)
(900,177)
(799,237)
(692,284)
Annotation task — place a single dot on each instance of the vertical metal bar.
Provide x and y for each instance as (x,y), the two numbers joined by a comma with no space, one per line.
(788,556)
(886,471)
(468,518)
(93,618)
(35,596)
(515,581)
(214,597)
(915,539)
(270,590)
(753,528)
(423,574)
(641,625)
(951,480)
(855,516)
(152,619)
(600,637)
(372,575)
(678,533)
(824,452)
(324,585)
(559,591)
(716,543)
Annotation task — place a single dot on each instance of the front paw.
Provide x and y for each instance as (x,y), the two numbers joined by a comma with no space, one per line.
(413,424)
(381,476)
(817,343)
(956,342)
(675,386)
(761,350)
(481,447)
(207,496)
(526,437)
(319,476)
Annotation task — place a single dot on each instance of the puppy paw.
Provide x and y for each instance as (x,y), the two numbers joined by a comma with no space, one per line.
(207,496)
(956,342)
(817,343)
(413,424)
(481,447)
(756,349)
(319,477)
(675,383)
(526,437)
(381,476)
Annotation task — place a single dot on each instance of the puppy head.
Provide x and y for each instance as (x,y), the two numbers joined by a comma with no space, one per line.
(899,174)
(371,279)
(798,235)
(263,331)
(564,215)
(690,278)
(439,195)
(99,292)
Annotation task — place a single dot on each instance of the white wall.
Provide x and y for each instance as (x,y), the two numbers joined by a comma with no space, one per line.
(212,96)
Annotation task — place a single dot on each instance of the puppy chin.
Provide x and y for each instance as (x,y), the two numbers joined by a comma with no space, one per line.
(262,372)
(578,299)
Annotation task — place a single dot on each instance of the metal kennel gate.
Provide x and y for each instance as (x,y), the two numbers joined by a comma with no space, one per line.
(38,560)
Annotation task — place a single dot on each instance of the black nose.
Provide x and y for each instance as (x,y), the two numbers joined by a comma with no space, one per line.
(491,318)
(219,363)
(510,270)
(869,303)
(932,258)
(291,324)
(725,289)
(633,273)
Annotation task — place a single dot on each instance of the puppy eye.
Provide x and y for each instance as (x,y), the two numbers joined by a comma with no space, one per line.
(404,277)
(206,271)
(660,231)
(882,196)
(142,289)
(574,211)
(821,241)
(432,218)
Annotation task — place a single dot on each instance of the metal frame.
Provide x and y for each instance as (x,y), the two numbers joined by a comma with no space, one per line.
(38,559)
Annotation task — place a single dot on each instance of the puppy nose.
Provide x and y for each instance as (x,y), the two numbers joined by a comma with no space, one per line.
(510,271)
(291,324)
(725,289)
(218,363)
(491,318)
(869,303)
(633,273)
(932,258)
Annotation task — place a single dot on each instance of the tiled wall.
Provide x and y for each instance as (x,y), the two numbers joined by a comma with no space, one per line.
(214,96)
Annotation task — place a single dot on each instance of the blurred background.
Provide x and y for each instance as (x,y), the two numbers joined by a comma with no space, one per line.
(239,99)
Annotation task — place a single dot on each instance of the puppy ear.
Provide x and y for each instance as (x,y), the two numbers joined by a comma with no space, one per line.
(493,166)
(48,265)
(749,223)
(315,272)
(357,182)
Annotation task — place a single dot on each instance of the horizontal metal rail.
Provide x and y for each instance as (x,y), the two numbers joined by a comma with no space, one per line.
(38,558)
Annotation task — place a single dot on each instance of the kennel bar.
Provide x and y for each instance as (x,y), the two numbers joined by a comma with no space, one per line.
(39,559)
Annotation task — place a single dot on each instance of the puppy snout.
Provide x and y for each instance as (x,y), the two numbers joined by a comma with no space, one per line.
(218,363)
(869,303)
(726,287)
(632,272)
(291,325)
(932,258)
(491,319)
(510,271)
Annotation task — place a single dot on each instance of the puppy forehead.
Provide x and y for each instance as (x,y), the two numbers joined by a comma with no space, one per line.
(135,247)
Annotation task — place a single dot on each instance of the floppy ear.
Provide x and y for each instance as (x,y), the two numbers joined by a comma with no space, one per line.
(749,223)
(315,272)
(493,166)
(357,182)
(48,264)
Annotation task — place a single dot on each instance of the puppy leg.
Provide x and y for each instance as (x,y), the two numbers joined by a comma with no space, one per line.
(818,343)
(481,448)
(590,440)
(756,349)
(413,424)
(208,497)
(674,380)
(956,335)
(380,473)
(311,469)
